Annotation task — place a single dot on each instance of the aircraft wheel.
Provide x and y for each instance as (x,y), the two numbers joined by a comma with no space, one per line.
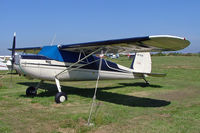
(60,97)
(148,84)
(31,91)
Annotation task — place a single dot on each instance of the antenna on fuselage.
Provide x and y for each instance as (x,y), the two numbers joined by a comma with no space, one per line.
(54,37)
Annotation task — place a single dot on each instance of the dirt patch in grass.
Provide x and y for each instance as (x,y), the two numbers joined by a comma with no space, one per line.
(178,95)
(140,94)
(182,67)
(5,96)
(74,126)
(105,129)
(38,106)
(56,105)
(66,130)
(35,127)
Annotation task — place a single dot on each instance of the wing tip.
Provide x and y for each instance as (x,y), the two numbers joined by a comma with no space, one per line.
(176,42)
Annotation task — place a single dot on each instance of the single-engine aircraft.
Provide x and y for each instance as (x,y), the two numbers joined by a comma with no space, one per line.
(79,61)
(5,63)
(3,66)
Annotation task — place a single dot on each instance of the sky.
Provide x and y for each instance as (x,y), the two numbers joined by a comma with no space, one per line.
(38,22)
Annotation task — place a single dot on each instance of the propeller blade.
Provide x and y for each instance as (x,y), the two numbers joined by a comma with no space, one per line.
(13,57)
(13,51)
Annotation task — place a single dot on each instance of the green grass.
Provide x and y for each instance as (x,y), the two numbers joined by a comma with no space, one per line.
(169,104)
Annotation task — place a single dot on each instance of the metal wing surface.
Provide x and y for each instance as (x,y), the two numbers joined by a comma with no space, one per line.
(137,44)
(32,50)
(134,44)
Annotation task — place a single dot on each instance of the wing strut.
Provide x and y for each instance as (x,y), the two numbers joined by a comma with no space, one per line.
(61,96)
(95,91)
(77,62)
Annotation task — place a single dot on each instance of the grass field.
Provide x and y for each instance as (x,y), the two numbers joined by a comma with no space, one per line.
(170,104)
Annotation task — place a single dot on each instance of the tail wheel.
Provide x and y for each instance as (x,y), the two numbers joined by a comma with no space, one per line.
(60,97)
(31,91)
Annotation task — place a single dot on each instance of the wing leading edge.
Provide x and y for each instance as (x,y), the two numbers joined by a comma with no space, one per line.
(137,44)
(32,50)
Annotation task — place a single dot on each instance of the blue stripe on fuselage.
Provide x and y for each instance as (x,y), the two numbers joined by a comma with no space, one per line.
(72,57)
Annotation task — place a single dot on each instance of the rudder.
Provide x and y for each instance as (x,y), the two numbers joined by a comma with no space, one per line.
(142,62)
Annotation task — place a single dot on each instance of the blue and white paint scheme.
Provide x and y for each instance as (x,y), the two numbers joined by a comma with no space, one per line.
(79,61)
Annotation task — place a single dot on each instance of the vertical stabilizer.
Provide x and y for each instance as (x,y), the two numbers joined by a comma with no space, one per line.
(142,62)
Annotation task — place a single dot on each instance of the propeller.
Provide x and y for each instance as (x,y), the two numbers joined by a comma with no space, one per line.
(13,52)
(13,57)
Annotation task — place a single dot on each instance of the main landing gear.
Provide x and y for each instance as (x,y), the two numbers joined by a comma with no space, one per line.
(59,98)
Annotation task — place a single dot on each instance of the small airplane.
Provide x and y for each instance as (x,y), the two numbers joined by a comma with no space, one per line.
(5,62)
(78,62)
(5,57)
(3,66)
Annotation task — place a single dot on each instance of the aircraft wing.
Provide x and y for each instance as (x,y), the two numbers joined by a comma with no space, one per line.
(32,50)
(137,44)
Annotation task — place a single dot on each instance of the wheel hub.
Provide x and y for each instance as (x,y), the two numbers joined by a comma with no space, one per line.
(62,99)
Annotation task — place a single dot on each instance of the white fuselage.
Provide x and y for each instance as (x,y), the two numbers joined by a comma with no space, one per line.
(49,69)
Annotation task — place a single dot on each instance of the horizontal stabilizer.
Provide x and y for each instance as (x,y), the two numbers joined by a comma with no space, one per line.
(157,74)
(153,74)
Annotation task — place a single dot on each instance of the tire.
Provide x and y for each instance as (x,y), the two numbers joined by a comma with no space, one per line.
(31,91)
(60,97)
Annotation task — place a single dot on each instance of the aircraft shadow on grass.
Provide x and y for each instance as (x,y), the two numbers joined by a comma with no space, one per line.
(111,97)
(141,84)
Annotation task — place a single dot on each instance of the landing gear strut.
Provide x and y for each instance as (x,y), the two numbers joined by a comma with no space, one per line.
(147,83)
(60,96)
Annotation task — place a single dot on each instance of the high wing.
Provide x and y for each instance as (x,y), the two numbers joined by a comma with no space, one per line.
(32,50)
(137,44)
